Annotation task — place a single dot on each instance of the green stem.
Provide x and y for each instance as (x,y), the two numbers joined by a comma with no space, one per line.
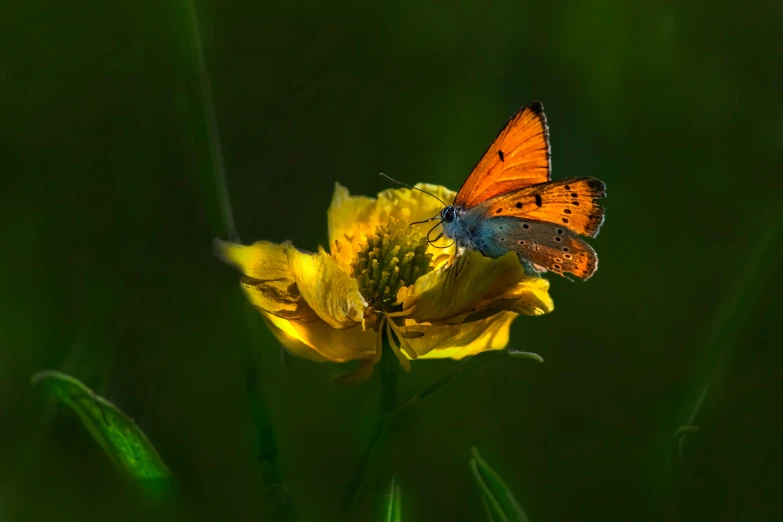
(735,311)
(389,368)
(264,438)
(264,435)
(213,134)
(731,317)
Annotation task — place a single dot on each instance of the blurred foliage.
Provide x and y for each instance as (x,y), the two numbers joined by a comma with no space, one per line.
(116,433)
(109,207)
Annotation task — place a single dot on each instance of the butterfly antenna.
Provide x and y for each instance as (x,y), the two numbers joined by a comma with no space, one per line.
(433,218)
(387,178)
(431,241)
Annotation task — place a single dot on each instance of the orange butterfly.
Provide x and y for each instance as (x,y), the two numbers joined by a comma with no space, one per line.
(510,203)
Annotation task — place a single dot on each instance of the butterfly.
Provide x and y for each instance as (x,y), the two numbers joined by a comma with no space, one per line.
(510,203)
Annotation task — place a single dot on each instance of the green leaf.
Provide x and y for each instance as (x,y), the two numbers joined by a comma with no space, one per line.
(468,365)
(124,443)
(393,509)
(499,502)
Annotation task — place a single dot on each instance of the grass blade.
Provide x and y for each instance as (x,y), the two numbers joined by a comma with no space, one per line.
(393,511)
(500,503)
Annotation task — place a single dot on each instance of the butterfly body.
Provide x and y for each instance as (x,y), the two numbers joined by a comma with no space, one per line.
(508,203)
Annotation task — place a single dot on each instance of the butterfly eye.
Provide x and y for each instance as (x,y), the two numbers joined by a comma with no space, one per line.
(448,214)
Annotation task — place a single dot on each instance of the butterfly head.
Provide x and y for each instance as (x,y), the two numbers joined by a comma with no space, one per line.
(452,225)
(448,214)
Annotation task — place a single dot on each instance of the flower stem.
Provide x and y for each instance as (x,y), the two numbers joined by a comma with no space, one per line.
(389,368)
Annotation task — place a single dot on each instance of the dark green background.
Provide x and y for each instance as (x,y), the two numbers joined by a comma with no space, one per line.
(109,207)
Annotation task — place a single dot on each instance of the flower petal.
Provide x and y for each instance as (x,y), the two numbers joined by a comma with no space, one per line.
(353,218)
(329,291)
(346,217)
(459,289)
(458,341)
(318,341)
(268,280)
(531,297)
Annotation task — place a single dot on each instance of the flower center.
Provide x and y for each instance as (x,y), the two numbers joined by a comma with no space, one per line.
(393,257)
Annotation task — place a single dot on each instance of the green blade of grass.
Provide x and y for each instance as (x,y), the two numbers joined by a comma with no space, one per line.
(731,317)
(491,504)
(393,509)
(490,515)
(122,441)
(733,313)
(499,502)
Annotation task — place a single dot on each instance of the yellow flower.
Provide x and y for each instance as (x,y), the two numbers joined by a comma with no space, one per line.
(381,276)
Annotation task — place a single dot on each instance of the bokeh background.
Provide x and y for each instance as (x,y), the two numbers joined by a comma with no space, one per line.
(109,205)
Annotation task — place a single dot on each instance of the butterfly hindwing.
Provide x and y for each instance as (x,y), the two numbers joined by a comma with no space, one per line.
(518,157)
(571,203)
(547,245)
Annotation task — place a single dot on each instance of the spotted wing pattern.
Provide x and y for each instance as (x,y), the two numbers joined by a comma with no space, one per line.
(571,203)
(545,245)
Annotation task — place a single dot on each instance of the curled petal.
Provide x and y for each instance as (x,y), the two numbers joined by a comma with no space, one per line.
(531,297)
(267,278)
(281,280)
(461,340)
(329,291)
(406,365)
(449,293)
(318,341)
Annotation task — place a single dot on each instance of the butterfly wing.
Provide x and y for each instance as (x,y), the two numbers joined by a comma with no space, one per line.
(546,245)
(542,224)
(518,157)
(570,203)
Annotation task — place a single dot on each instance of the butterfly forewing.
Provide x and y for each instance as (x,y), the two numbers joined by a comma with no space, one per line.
(571,203)
(518,157)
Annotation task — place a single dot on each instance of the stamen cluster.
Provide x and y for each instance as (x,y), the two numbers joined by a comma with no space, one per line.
(393,257)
